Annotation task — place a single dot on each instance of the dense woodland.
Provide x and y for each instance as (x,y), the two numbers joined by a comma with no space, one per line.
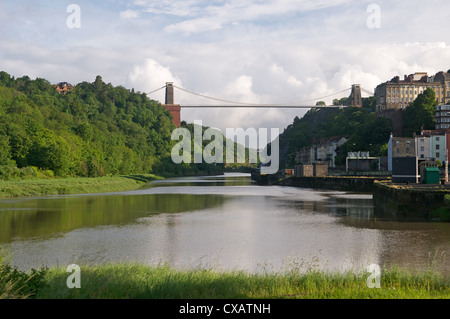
(95,129)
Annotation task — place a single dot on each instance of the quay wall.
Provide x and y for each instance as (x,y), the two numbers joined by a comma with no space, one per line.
(345,183)
(408,200)
(395,200)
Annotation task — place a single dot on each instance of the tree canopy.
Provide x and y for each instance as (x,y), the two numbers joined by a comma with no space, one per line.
(93,129)
(420,113)
(364,130)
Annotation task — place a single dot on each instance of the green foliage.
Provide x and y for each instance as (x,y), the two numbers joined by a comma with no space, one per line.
(364,131)
(5,151)
(15,284)
(443,213)
(93,130)
(420,113)
(8,172)
(342,101)
(116,281)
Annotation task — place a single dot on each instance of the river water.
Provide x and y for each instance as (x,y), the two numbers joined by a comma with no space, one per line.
(221,222)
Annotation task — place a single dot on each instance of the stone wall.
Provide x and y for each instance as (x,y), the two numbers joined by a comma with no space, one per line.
(407,202)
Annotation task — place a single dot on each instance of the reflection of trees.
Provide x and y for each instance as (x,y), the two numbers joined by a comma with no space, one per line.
(46,217)
(203,181)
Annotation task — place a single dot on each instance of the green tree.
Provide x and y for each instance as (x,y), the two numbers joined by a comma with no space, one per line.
(5,151)
(420,113)
(49,151)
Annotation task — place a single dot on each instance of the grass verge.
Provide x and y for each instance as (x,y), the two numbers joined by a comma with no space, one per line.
(136,281)
(72,185)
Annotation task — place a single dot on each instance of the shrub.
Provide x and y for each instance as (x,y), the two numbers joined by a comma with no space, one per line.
(16,284)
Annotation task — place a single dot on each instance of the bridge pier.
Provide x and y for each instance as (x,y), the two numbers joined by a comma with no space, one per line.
(355,98)
(174,109)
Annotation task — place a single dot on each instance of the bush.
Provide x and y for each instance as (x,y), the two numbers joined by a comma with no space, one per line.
(16,284)
(12,172)
(443,213)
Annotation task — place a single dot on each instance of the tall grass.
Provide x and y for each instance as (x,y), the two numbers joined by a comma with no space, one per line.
(302,280)
(163,282)
(71,185)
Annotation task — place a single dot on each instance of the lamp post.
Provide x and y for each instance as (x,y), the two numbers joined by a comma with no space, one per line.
(446,166)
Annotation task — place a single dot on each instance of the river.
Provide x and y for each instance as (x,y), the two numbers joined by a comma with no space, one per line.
(221,222)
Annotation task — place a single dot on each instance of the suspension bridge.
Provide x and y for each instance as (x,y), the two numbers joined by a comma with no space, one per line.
(354,99)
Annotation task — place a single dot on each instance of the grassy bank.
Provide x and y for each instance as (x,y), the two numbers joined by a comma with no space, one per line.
(137,281)
(72,185)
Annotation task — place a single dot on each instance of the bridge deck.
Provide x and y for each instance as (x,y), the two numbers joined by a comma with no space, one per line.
(264,106)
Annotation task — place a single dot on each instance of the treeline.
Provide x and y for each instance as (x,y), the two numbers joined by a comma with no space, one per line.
(364,130)
(94,129)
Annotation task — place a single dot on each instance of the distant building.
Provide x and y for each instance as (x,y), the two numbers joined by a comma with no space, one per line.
(316,169)
(430,145)
(423,147)
(62,87)
(362,161)
(442,116)
(396,94)
(400,147)
(323,151)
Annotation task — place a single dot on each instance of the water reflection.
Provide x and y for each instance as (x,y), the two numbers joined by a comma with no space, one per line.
(225,222)
(45,217)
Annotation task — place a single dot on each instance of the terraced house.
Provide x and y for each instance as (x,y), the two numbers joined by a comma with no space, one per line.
(429,145)
(396,94)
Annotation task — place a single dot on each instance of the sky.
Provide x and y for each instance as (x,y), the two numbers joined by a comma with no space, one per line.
(256,51)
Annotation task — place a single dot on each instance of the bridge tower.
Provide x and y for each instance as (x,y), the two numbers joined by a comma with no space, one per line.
(355,96)
(174,109)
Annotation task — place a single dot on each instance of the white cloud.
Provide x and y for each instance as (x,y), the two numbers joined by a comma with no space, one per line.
(258,51)
(150,76)
(129,14)
(194,26)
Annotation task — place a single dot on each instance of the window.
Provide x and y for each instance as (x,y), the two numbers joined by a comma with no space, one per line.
(437,146)
(437,138)
(407,150)
(437,154)
(422,149)
(398,151)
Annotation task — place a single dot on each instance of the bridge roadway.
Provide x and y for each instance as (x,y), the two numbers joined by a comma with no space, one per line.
(264,106)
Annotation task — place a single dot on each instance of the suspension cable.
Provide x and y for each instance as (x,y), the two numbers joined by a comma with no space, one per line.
(250,104)
(366,91)
(155,90)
